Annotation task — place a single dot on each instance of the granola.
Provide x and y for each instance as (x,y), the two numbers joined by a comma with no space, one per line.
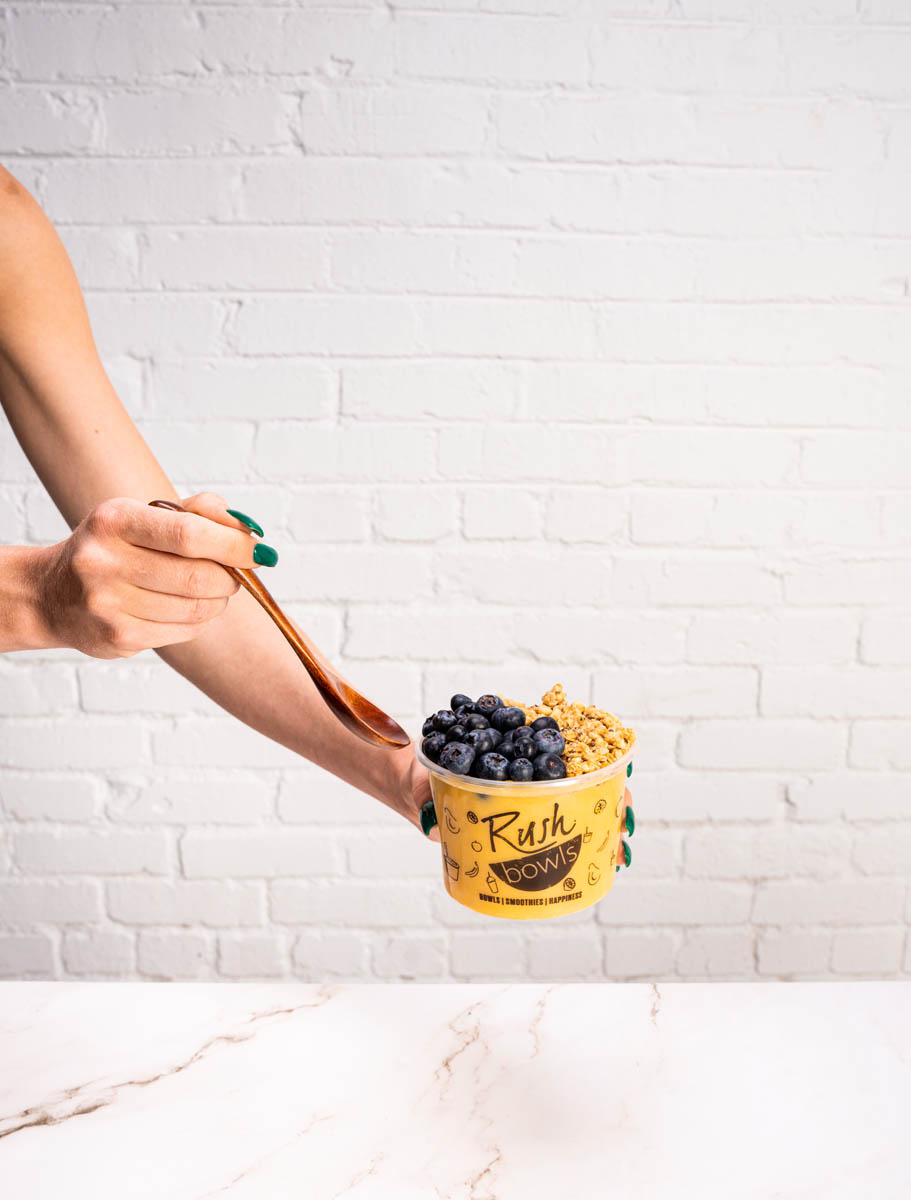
(594,738)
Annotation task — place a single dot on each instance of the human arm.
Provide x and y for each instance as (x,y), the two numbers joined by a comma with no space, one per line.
(94,463)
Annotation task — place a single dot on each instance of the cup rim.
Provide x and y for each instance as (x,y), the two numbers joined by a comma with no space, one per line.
(545,786)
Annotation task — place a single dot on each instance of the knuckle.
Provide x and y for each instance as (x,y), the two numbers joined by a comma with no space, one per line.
(106,519)
(195,582)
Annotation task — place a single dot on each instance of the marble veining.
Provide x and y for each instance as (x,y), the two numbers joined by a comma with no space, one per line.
(472,1092)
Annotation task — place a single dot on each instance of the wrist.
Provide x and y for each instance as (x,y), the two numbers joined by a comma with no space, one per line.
(23,622)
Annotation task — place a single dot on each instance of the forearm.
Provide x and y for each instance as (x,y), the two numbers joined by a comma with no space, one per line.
(247,667)
(21,624)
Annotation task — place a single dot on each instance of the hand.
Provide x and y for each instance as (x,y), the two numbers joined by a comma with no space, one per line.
(133,578)
(409,789)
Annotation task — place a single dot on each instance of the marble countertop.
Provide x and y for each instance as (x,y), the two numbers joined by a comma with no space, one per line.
(463,1092)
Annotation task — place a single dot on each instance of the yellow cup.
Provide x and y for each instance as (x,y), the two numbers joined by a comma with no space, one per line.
(525,851)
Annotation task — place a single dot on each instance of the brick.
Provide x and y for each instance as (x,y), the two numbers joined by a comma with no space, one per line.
(208,798)
(585,515)
(576,955)
(402,854)
(49,798)
(832,903)
(679,796)
(675,904)
(526,453)
(574,577)
(36,689)
(883,745)
(139,686)
(421,514)
(657,855)
(199,452)
(886,638)
(50,121)
(680,692)
(26,956)
(785,953)
(442,633)
(259,260)
(252,955)
(347,902)
(795,852)
(167,955)
(25,902)
(710,456)
(727,130)
(318,798)
(328,514)
(784,637)
(843,691)
(690,582)
(716,954)
(193,120)
(417,956)
(237,389)
(318,956)
(156,191)
(420,390)
(588,638)
(347,452)
(216,743)
(870,953)
(436,263)
(70,744)
(639,955)
(143,325)
(170,902)
(856,795)
(103,258)
(100,952)
(397,120)
(257,854)
(852,581)
(465,47)
(496,514)
(739,745)
(488,955)
(854,459)
(72,852)
(884,851)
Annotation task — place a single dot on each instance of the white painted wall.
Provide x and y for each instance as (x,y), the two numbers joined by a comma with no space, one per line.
(549,340)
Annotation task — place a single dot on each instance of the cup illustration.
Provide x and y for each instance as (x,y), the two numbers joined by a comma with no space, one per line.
(527,851)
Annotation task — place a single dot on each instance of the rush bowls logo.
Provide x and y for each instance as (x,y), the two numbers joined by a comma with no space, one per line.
(541,859)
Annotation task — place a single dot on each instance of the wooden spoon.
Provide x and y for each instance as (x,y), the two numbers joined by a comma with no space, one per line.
(353,710)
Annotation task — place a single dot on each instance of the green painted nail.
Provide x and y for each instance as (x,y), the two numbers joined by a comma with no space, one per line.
(617,867)
(264,556)
(245,520)
(630,820)
(629,769)
(627,854)
(428,817)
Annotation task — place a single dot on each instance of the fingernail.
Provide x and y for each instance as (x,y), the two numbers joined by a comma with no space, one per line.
(245,520)
(264,556)
(629,769)
(627,854)
(428,817)
(630,820)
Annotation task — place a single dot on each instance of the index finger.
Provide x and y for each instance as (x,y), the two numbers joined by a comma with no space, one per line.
(190,536)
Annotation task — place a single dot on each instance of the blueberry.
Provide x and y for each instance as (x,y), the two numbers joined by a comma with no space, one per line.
(487,704)
(460,700)
(444,720)
(457,757)
(525,744)
(549,741)
(432,745)
(521,770)
(464,711)
(548,766)
(481,740)
(544,723)
(456,734)
(427,727)
(496,735)
(507,748)
(493,766)
(476,721)
(507,718)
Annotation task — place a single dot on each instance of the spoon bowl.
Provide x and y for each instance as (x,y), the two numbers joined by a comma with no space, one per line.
(356,712)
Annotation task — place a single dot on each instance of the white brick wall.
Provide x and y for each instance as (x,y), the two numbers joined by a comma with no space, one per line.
(549,339)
